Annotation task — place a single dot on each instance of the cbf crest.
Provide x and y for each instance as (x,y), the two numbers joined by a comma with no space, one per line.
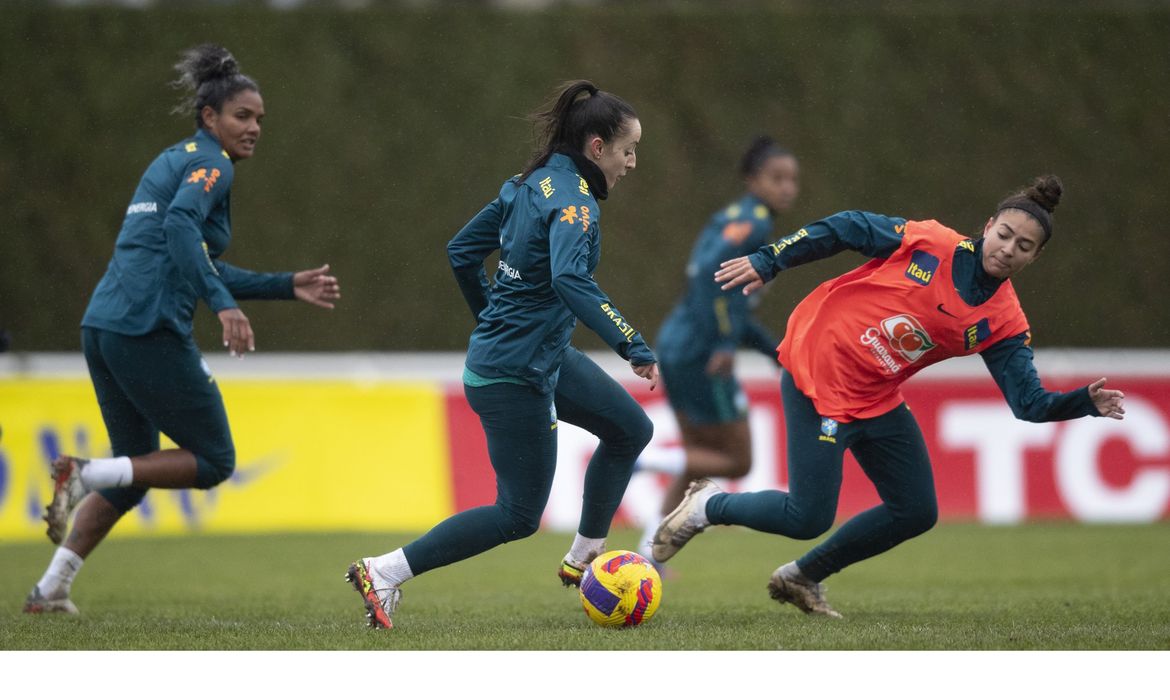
(828,430)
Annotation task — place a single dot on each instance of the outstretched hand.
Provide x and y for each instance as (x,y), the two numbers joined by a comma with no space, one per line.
(648,372)
(737,272)
(316,287)
(1108,401)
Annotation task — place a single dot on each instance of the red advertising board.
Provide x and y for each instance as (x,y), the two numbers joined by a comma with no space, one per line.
(988,465)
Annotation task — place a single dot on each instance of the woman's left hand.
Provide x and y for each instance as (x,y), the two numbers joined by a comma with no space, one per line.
(1108,401)
(648,372)
(316,287)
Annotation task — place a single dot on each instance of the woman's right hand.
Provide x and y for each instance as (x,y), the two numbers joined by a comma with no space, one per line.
(737,272)
(237,332)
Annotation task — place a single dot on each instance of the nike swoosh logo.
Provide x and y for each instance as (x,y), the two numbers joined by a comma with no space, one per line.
(948,313)
(247,473)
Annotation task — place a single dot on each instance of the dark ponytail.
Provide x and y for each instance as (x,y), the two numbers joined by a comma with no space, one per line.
(759,152)
(579,110)
(212,76)
(1038,200)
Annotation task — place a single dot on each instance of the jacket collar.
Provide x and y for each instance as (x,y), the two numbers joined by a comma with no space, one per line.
(984,280)
(588,170)
(202,134)
(752,201)
(971,281)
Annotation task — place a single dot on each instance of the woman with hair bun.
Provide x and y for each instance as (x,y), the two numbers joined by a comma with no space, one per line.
(698,340)
(521,374)
(928,294)
(136,334)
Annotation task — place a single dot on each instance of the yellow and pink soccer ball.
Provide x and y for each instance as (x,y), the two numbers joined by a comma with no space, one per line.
(621,589)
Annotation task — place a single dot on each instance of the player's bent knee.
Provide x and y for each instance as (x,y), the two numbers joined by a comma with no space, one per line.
(517,522)
(124,499)
(214,469)
(641,431)
(630,435)
(739,468)
(811,527)
(921,520)
(523,527)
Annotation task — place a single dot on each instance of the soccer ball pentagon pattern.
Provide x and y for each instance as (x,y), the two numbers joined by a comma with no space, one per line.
(620,589)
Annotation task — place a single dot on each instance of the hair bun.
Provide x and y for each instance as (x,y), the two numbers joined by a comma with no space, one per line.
(761,149)
(208,74)
(215,62)
(1045,191)
(759,143)
(203,64)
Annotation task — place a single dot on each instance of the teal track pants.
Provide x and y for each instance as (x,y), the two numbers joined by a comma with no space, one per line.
(892,453)
(158,382)
(520,425)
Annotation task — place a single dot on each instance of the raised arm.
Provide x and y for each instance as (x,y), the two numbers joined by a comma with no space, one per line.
(246,284)
(872,235)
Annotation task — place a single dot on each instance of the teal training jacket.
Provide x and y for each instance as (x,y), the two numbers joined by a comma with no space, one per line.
(166,256)
(548,234)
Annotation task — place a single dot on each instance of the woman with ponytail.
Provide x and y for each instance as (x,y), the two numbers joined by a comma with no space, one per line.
(698,340)
(521,374)
(136,334)
(928,294)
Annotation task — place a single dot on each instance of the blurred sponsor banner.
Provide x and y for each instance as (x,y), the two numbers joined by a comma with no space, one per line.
(363,442)
(311,455)
(988,465)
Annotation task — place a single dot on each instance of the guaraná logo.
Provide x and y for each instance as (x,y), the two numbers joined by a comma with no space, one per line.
(907,336)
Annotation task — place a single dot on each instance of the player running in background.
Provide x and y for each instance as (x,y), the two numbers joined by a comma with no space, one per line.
(137,331)
(521,374)
(929,294)
(696,346)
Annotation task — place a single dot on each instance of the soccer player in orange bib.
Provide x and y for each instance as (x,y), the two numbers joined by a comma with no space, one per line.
(928,294)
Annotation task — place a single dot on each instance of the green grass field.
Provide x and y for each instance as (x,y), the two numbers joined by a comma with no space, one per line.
(959,587)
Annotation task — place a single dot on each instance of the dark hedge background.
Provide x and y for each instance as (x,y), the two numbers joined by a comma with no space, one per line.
(389,127)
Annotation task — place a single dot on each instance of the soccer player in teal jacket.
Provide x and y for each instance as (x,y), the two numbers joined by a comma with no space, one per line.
(699,338)
(521,375)
(136,333)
